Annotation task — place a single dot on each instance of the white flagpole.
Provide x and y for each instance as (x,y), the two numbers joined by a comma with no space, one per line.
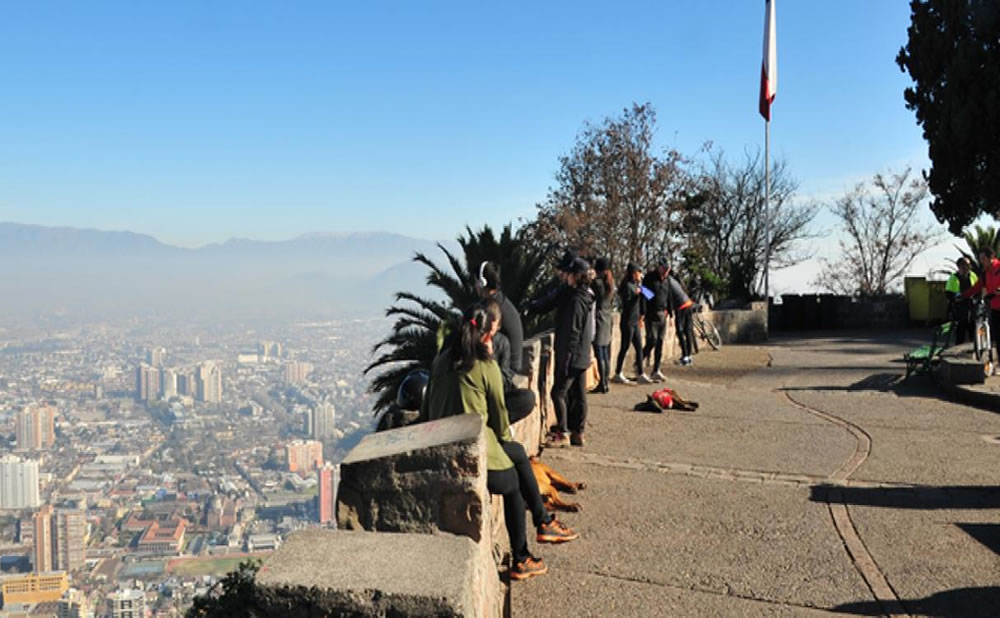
(767,210)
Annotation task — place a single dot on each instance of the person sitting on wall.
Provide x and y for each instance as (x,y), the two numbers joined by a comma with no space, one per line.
(520,401)
(465,378)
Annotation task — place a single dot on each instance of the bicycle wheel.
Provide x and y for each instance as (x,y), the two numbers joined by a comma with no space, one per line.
(708,332)
(980,343)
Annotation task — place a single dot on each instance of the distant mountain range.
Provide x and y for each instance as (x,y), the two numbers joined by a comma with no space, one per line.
(339,275)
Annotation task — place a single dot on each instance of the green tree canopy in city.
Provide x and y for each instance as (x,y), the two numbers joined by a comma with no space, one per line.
(953,57)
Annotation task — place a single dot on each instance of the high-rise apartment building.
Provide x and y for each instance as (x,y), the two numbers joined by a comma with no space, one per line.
(147,383)
(304,455)
(127,604)
(168,383)
(18,483)
(155,357)
(35,428)
(70,536)
(321,420)
(41,554)
(297,371)
(185,383)
(208,380)
(329,478)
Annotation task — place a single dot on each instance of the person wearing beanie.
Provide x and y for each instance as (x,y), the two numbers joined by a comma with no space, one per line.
(630,301)
(574,331)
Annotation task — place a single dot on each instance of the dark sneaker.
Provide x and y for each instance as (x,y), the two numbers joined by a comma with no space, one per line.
(576,439)
(557,440)
(555,532)
(529,567)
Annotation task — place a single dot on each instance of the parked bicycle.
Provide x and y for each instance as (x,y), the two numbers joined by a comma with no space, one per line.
(705,330)
(982,341)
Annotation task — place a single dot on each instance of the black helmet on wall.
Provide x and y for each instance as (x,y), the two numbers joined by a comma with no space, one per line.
(410,395)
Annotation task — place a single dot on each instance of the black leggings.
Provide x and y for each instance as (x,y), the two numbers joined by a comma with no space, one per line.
(518,487)
(571,389)
(656,331)
(685,335)
(630,334)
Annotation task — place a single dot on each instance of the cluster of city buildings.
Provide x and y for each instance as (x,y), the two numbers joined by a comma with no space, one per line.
(137,473)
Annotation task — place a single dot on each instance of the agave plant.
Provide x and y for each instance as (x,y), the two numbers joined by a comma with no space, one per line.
(413,342)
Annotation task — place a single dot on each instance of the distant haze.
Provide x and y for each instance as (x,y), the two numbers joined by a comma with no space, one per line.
(91,272)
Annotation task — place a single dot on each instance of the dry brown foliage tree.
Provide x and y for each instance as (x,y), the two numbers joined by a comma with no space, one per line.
(614,195)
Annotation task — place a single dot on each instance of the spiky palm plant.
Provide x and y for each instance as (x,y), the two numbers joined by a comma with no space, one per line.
(977,239)
(412,344)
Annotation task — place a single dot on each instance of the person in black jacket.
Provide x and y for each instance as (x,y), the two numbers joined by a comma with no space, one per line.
(573,302)
(488,286)
(654,313)
(630,298)
(604,295)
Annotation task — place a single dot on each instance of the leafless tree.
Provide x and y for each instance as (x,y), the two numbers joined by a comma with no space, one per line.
(882,235)
(726,222)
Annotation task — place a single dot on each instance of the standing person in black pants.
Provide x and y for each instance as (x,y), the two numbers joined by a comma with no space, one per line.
(630,298)
(680,306)
(654,313)
(604,290)
(573,302)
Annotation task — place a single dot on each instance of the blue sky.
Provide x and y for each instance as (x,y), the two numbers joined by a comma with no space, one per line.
(196,122)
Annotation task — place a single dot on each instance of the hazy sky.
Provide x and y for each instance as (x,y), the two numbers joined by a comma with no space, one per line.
(199,121)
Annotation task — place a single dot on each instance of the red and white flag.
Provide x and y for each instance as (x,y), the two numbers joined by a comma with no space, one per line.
(769,67)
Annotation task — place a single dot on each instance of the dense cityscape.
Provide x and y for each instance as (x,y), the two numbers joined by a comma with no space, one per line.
(141,461)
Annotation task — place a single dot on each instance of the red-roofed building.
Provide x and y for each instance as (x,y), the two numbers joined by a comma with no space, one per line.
(165,537)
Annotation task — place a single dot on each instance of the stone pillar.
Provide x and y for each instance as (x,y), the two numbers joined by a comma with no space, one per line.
(426,477)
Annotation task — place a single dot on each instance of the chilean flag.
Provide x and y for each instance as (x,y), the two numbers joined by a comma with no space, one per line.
(769,67)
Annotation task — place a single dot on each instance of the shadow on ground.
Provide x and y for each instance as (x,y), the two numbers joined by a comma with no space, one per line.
(987,534)
(882,382)
(958,602)
(920,497)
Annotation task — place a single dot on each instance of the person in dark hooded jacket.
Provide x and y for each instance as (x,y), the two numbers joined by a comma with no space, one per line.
(574,333)
(630,299)
(604,295)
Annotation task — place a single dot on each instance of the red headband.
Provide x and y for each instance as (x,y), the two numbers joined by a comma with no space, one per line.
(473,322)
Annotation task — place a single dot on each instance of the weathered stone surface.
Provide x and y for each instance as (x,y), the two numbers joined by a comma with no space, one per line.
(955,370)
(423,478)
(338,573)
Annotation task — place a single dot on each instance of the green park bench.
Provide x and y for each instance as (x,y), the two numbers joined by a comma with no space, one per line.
(926,356)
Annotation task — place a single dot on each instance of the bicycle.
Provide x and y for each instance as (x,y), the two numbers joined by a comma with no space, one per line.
(704,329)
(982,342)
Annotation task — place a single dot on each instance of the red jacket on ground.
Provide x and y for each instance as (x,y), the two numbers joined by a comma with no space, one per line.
(991,281)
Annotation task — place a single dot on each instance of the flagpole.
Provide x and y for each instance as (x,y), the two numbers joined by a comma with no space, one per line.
(767,211)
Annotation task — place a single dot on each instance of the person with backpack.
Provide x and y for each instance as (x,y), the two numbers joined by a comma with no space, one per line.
(680,307)
(603,288)
(630,326)
(574,331)
(465,378)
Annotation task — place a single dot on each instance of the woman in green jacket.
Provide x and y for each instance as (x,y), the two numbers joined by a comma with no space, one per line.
(466,379)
